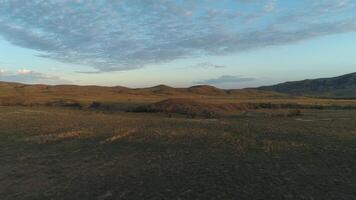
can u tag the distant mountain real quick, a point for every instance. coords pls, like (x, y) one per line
(336, 87)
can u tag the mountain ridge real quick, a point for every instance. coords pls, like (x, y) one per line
(339, 87)
(343, 86)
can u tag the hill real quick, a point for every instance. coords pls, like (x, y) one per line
(336, 87)
(24, 94)
(192, 107)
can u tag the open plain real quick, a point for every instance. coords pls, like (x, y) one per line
(260, 146)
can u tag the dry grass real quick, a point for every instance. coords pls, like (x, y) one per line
(278, 146)
(56, 137)
(118, 136)
(52, 153)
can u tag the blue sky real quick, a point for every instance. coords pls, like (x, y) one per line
(139, 43)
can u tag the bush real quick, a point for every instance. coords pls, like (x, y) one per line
(294, 113)
(95, 105)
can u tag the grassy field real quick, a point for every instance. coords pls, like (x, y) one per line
(58, 153)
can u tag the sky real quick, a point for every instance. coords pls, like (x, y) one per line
(142, 43)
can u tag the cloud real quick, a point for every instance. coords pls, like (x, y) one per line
(270, 6)
(24, 72)
(88, 72)
(226, 79)
(113, 35)
(28, 76)
(207, 65)
(204, 65)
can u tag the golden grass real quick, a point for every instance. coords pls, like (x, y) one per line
(118, 136)
(56, 137)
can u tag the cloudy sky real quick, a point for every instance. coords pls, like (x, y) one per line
(138, 43)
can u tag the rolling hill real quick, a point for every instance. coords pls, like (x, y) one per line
(24, 94)
(337, 87)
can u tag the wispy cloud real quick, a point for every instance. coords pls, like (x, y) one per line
(204, 65)
(207, 65)
(130, 34)
(28, 76)
(24, 72)
(270, 6)
(226, 79)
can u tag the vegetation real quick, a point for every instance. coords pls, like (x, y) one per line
(58, 153)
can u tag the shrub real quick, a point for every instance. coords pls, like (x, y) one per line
(95, 105)
(294, 113)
